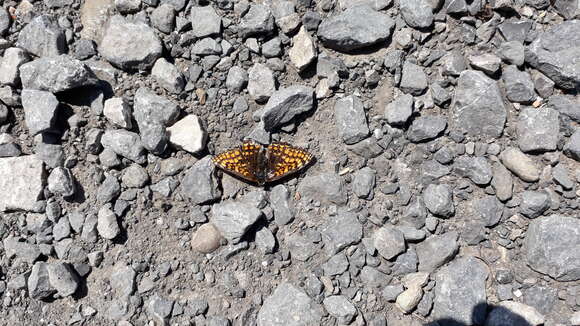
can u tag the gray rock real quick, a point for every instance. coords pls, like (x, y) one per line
(372, 277)
(38, 283)
(489, 63)
(389, 242)
(108, 190)
(163, 18)
(303, 51)
(561, 176)
(257, 21)
(542, 298)
(135, 176)
(367, 148)
(514, 313)
(4, 21)
(518, 85)
(490, 210)
(56, 74)
(61, 229)
(285, 16)
(3, 113)
(565, 105)
(207, 239)
(205, 21)
(543, 85)
(327, 188)
(534, 203)
(14, 247)
(234, 219)
(453, 63)
(340, 308)
(42, 37)
(355, 28)
(22, 182)
(261, 82)
(62, 278)
(413, 79)
(351, 120)
(460, 291)
(159, 309)
(61, 182)
(130, 45)
(479, 108)
(476, 169)
(289, 306)
(107, 224)
(118, 111)
(335, 265)
(10, 64)
(515, 30)
(417, 13)
(122, 280)
(301, 248)
(127, 6)
(340, 232)
(199, 182)
(89, 232)
(168, 76)
(437, 250)
(391, 292)
(439, 200)
(364, 182)
(399, 110)
(281, 204)
(536, 129)
(40, 109)
(272, 48)
(551, 247)
(124, 143)
(520, 164)
(512, 53)
(554, 53)
(188, 134)
(51, 154)
(426, 128)
(265, 240)
(285, 104)
(237, 79)
(572, 147)
(206, 46)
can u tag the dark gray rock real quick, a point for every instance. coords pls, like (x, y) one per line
(518, 85)
(572, 147)
(479, 108)
(61, 182)
(289, 306)
(351, 121)
(38, 282)
(372, 277)
(439, 200)
(340, 308)
(417, 13)
(257, 21)
(391, 292)
(515, 30)
(543, 298)
(285, 16)
(301, 248)
(200, 183)
(399, 110)
(124, 143)
(426, 128)
(367, 148)
(281, 204)
(4, 21)
(550, 247)
(340, 232)
(453, 63)
(565, 105)
(130, 45)
(460, 291)
(234, 219)
(355, 28)
(536, 128)
(534, 203)
(205, 21)
(476, 169)
(554, 53)
(56, 74)
(285, 104)
(326, 188)
(159, 309)
(40, 110)
(437, 250)
(109, 189)
(512, 53)
(405, 263)
(62, 278)
(413, 79)
(389, 241)
(490, 210)
(42, 37)
(489, 63)
(561, 176)
(363, 183)
(61, 229)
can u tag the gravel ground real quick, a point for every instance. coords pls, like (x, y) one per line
(444, 189)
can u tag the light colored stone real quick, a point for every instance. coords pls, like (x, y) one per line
(303, 50)
(188, 134)
(118, 111)
(206, 239)
(409, 299)
(21, 183)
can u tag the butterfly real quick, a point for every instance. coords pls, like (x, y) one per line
(258, 164)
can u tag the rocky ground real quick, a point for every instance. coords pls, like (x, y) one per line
(444, 192)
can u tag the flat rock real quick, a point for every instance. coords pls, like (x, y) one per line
(389, 242)
(351, 120)
(340, 232)
(9, 66)
(355, 28)
(413, 79)
(234, 219)
(40, 109)
(426, 128)
(399, 110)
(476, 169)
(519, 86)
(125, 143)
(289, 306)
(303, 50)
(199, 183)
(56, 74)
(327, 188)
(340, 308)
(572, 147)
(552, 247)
(257, 21)
(261, 82)
(14, 247)
(62, 278)
(42, 37)
(285, 104)
(205, 21)
(536, 128)
(22, 182)
(282, 205)
(437, 250)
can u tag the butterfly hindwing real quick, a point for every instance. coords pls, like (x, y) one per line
(285, 159)
(241, 161)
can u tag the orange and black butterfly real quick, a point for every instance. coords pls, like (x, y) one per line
(258, 164)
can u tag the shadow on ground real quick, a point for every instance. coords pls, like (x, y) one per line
(488, 315)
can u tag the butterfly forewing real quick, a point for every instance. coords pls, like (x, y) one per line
(285, 159)
(241, 161)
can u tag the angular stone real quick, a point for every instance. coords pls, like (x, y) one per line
(289, 306)
(130, 45)
(572, 147)
(518, 85)
(413, 79)
(534, 203)
(417, 13)
(40, 109)
(199, 182)
(439, 200)
(118, 111)
(61, 182)
(22, 182)
(327, 188)
(512, 53)
(520, 164)
(281, 204)
(389, 242)
(303, 50)
(399, 110)
(168, 76)
(122, 280)
(237, 79)
(285, 16)
(265, 240)
(364, 183)
(38, 283)
(62, 278)
(234, 219)
(565, 105)
(14, 247)
(124, 143)
(56, 74)
(42, 37)
(409, 299)
(340, 308)
(107, 224)
(205, 21)
(476, 169)
(479, 108)
(351, 120)
(10, 64)
(188, 134)
(489, 63)
(426, 128)
(257, 21)
(285, 104)
(355, 28)
(489, 209)
(261, 82)
(536, 129)
(340, 232)
(163, 18)
(437, 250)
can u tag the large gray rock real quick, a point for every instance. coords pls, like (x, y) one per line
(289, 306)
(417, 13)
(257, 21)
(572, 147)
(534, 203)
(341, 231)
(478, 107)
(285, 104)
(205, 21)
(40, 109)
(519, 86)
(476, 169)
(399, 110)
(389, 241)
(62, 278)
(556, 52)
(355, 28)
(437, 250)
(426, 128)
(38, 282)
(21, 183)
(130, 45)
(56, 74)
(42, 37)
(552, 247)
(10, 64)
(413, 79)
(351, 120)
(234, 219)
(565, 105)
(460, 291)
(200, 183)
(536, 129)
(489, 209)
(340, 308)
(124, 143)
(439, 200)
(327, 188)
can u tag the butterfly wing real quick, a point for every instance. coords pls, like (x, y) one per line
(241, 161)
(285, 159)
